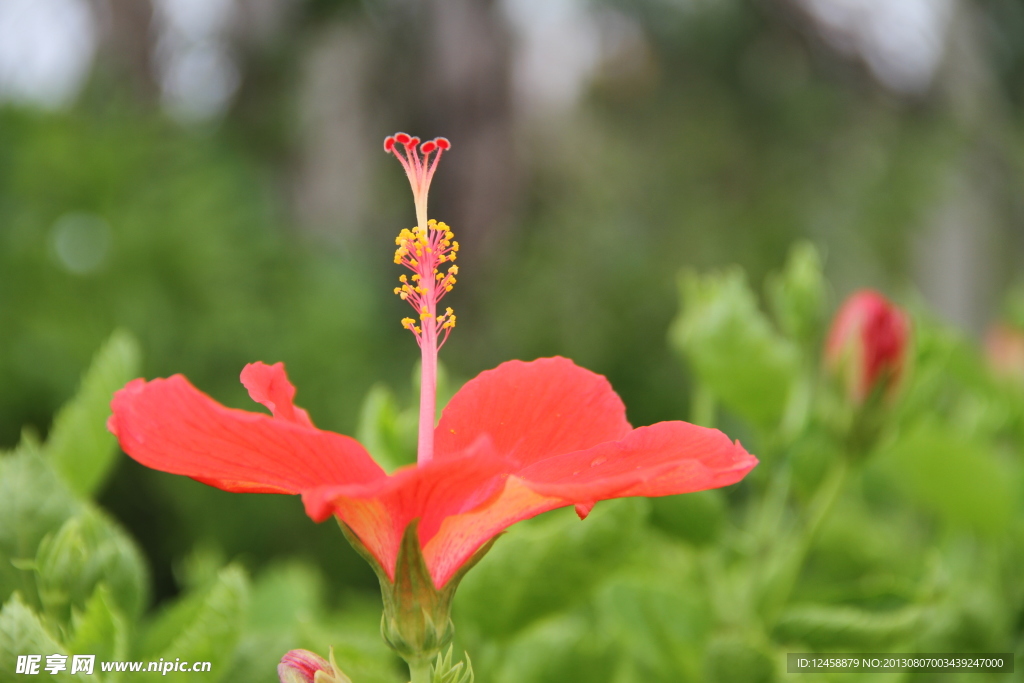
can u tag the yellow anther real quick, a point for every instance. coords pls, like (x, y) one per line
(454, 270)
(455, 246)
(448, 311)
(421, 290)
(403, 296)
(402, 278)
(413, 262)
(416, 277)
(438, 276)
(448, 288)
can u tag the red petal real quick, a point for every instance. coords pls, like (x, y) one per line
(531, 411)
(583, 509)
(269, 385)
(380, 511)
(462, 535)
(663, 459)
(169, 425)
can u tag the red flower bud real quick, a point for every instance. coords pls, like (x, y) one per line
(867, 345)
(303, 666)
(1004, 351)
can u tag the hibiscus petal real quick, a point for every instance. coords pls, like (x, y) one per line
(379, 512)
(459, 536)
(269, 385)
(583, 509)
(531, 411)
(663, 459)
(169, 425)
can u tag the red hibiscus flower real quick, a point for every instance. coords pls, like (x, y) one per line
(514, 442)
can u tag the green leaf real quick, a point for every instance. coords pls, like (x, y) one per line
(547, 566)
(256, 657)
(387, 432)
(697, 518)
(822, 626)
(99, 629)
(23, 633)
(33, 502)
(797, 294)
(284, 595)
(734, 659)
(87, 550)
(565, 648)
(79, 446)
(950, 474)
(204, 626)
(354, 633)
(732, 346)
(662, 628)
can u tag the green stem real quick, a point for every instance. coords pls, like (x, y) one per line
(824, 500)
(419, 671)
(794, 552)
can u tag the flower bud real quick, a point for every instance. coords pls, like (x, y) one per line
(303, 666)
(1004, 351)
(867, 345)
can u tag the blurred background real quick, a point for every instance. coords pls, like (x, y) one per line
(208, 175)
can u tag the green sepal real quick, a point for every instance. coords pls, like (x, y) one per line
(444, 670)
(417, 620)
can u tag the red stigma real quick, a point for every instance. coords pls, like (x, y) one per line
(419, 162)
